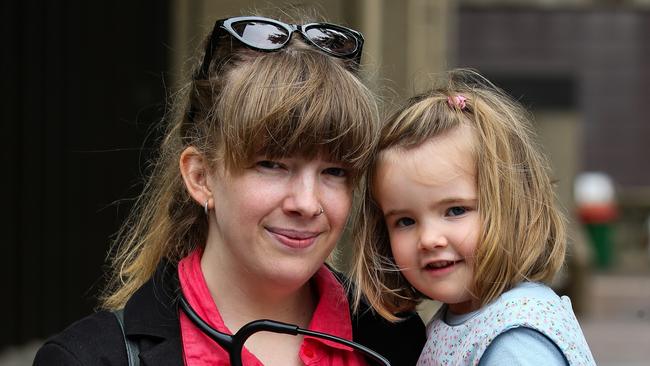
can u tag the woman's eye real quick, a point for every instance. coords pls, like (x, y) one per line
(337, 172)
(268, 164)
(456, 211)
(404, 221)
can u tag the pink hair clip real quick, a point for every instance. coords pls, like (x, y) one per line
(457, 101)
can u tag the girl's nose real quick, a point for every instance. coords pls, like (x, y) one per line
(432, 237)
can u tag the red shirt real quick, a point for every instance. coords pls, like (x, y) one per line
(332, 316)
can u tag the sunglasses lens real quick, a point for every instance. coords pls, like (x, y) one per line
(335, 41)
(261, 35)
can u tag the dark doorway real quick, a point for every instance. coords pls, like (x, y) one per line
(82, 90)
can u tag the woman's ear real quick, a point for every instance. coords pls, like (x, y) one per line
(196, 173)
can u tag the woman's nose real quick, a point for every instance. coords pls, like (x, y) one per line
(303, 197)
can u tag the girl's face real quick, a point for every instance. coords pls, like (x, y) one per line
(269, 226)
(429, 198)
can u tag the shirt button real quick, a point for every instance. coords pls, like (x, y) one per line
(309, 352)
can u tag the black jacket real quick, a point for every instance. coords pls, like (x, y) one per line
(151, 319)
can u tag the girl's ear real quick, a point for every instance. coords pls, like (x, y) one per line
(197, 177)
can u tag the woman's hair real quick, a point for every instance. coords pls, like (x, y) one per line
(295, 101)
(522, 230)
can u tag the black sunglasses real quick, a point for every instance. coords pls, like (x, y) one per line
(234, 344)
(264, 34)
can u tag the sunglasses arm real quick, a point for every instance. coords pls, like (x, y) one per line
(213, 41)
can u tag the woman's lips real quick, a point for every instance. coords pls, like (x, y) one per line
(294, 238)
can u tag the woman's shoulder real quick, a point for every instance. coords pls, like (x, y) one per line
(93, 340)
(401, 342)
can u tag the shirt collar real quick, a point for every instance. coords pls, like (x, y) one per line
(151, 313)
(332, 313)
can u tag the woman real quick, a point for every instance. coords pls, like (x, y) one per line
(250, 194)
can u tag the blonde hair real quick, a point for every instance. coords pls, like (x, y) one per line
(522, 230)
(296, 101)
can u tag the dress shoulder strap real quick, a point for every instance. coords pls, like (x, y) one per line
(132, 349)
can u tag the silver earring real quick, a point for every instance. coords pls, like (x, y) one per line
(321, 211)
(205, 207)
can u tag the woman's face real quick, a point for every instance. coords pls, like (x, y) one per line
(268, 224)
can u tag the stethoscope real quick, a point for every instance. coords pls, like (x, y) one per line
(234, 344)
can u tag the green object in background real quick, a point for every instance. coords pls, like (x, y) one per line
(600, 235)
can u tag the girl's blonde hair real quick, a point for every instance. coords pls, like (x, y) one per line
(296, 101)
(522, 230)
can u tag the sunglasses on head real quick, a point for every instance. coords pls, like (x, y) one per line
(264, 34)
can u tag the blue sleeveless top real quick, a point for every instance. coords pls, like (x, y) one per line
(530, 305)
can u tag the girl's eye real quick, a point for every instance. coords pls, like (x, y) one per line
(337, 172)
(404, 221)
(456, 211)
(268, 164)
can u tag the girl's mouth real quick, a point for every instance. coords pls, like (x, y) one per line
(441, 267)
(440, 264)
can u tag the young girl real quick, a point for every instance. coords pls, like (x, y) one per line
(460, 209)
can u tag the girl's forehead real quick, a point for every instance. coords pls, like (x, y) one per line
(454, 146)
(445, 163)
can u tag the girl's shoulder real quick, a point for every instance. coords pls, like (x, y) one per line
(522, 343)
(528, 305)
(524, 294)
(532, 290)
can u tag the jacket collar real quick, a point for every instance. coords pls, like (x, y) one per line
(151, 318)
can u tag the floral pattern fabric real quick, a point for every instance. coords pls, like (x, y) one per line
(464, 344)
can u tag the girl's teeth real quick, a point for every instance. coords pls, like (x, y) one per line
(440, 264)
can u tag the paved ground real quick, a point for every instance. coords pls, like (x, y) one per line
(617, 321)
(19, 356)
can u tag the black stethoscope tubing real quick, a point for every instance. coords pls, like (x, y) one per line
(235, 343)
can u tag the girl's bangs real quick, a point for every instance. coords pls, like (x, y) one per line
(425, 118)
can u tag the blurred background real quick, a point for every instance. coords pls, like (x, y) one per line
(85, 85)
